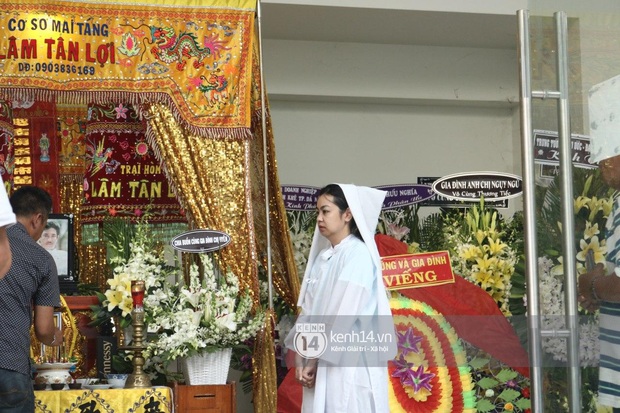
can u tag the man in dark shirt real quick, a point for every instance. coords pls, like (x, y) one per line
(30, 284)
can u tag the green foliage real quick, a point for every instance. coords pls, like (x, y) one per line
(118, 233)
(487, 383)
(524, 404)
(485, 405)
(121, 364)
(509, 395)
(241, 360)
(498, 388)
(506, 374)
(431, 236)
(518, 291)
(88, 289)
(478, 363)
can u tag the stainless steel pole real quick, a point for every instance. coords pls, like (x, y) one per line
(265, 154)
(571, 333)
(529, 213)
(568, 215)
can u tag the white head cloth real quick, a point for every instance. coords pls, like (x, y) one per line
(365, 204)
(604, 110)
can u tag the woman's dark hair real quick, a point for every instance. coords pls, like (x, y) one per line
(338, 198)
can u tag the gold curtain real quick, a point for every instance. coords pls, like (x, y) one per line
(210, 180)
(91, 258)
(283, 268)
(220, 182)
(284, 271)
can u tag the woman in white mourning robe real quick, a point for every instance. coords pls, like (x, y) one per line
(344, 290)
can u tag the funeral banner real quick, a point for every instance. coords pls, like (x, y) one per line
(196, 59)
(6, 144)
(34, 154)
(123, 178)
(417, 270)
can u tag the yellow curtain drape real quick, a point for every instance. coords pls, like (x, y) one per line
(210, 179)
(264, 173)
(221, 184)
(284, 270)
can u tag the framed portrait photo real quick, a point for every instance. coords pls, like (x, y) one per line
(57, 239)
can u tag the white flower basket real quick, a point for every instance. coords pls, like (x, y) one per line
(207, 368)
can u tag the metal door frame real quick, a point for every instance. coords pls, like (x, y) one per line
(535, 331)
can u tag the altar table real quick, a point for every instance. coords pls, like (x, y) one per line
(143, 400)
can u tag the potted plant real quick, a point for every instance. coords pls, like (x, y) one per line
(201, 322)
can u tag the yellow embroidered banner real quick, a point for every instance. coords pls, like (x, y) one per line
(195, 58)
(143, 400)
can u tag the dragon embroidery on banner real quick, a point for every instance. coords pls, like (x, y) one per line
(170, 47)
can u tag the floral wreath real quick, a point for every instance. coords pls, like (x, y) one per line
(430, 372)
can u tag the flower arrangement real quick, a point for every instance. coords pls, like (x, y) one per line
(301, 229)
(553, 318)
(430, 373)
(480, 255)
(401, 223)
(243, 353)
(136, 256)
(591, 209)
(498, 387)
(208, 313)
(592, 205)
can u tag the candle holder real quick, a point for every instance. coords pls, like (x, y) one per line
(138, 378)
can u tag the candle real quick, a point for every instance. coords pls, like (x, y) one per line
(137, 293)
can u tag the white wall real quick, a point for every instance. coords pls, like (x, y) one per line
(387, 114)
(404, 73)
(319, 142)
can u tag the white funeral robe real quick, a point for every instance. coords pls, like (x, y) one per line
(343, 282)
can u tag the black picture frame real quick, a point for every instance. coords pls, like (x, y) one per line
(62, 249)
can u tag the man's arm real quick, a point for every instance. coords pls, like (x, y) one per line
(44, 327)
(596, 286)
